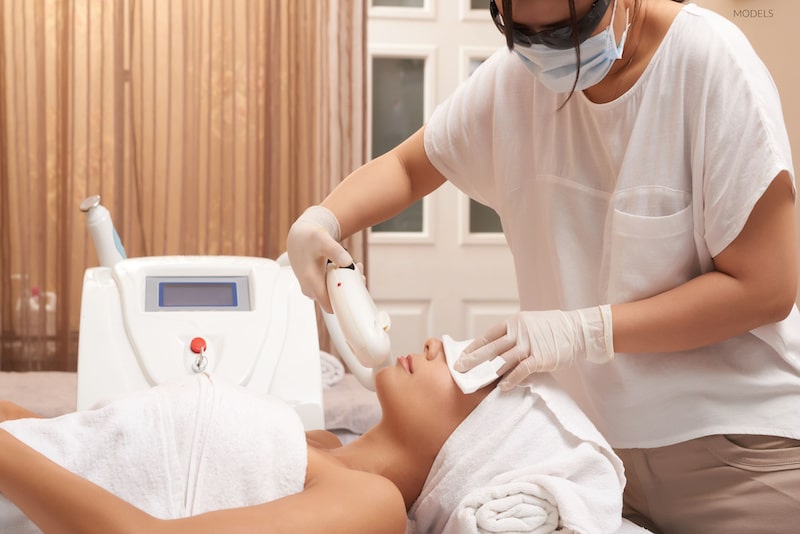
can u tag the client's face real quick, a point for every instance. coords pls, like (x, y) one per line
(419, 395)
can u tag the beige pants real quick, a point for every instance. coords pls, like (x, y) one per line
(732, 484)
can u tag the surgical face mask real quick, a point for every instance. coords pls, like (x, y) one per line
(556, 69)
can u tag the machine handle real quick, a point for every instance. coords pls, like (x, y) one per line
(106, 240)
(358, 329)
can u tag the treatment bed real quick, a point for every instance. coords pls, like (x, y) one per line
(349, 407)
(314, 382)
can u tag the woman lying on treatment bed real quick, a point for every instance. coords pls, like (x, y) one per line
(201, 456)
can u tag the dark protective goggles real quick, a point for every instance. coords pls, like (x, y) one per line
(559, 37)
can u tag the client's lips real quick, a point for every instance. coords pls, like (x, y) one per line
(405, 361)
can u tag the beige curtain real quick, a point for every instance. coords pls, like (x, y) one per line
(206, 126)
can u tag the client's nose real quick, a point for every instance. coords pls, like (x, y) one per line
(433, 349)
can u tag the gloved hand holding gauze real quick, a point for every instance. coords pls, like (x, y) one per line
(481, 375)
(312, 240)
(541, 341)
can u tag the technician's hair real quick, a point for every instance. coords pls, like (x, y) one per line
(508, 31)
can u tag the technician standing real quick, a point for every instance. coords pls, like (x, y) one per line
(636, 153)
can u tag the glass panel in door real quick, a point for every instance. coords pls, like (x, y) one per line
(398, 3)
(482, 219)
(397, 112)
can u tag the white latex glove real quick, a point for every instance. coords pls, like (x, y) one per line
(312, 240)
(540, 341)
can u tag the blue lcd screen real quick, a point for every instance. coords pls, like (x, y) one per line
(197, 294)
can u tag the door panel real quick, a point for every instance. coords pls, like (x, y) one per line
(443, 267)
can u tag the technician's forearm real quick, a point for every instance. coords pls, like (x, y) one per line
(755, 283)
(384, 187)
(706, 310)
(59, 501)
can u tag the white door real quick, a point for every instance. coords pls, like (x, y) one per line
(441, 267)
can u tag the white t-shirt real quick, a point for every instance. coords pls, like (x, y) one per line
(615, 202)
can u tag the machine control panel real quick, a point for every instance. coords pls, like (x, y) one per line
(198, 293)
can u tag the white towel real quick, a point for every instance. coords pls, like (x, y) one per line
(524, 461)
(515, 506)
(176, 450)
(332, 369)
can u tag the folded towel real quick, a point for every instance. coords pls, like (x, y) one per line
(176, 450)
(527, 460)
(518, 506)
(350, 406)
(332, 369)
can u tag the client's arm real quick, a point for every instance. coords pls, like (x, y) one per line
(335, 499)
(59, 501)
(10, 410)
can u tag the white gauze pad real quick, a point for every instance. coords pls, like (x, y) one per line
(475, 378)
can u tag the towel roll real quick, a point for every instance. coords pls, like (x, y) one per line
(517, 506)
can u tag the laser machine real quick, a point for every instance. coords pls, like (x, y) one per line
(146, 321)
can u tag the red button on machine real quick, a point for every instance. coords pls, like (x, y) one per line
(198, 345)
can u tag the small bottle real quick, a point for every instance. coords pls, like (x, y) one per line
(28, 309)
(106, 240)
(36, 301)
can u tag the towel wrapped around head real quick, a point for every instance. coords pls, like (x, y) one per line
(175, 450)
(527, 460)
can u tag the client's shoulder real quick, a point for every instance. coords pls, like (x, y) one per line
(322, 439)
(365, 502)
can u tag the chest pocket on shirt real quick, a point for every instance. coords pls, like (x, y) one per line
(650, 243)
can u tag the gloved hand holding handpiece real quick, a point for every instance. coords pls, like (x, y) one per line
(312, 240)
(540, 341)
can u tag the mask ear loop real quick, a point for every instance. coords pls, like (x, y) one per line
(619, 47)
(573, 17)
